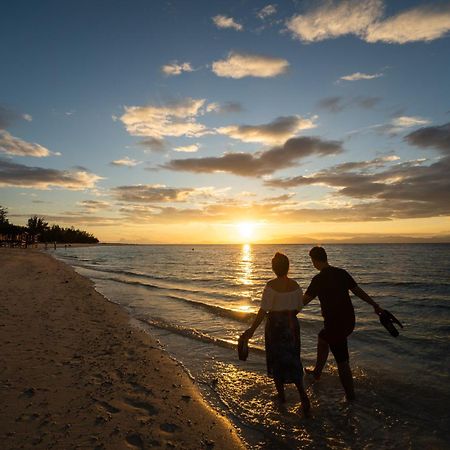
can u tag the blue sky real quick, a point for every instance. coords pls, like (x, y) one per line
(101, 101)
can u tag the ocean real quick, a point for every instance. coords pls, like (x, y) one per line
(197, 300)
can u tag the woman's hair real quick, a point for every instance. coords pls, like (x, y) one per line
(280, 264)
(319, 254)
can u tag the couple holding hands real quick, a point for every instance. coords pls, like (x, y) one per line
(283, 298)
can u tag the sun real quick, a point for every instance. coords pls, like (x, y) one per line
(246, 230)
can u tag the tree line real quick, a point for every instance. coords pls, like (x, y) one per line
(38, 230)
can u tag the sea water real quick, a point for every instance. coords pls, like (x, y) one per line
(197, 300)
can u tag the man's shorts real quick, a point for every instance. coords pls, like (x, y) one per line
(338, 345)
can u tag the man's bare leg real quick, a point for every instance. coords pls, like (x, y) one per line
(322, 356)
(346, 377)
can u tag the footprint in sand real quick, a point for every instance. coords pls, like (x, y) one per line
(134, 440)
(169, 427)
(139, 388)
(108, 407)
(143, 406)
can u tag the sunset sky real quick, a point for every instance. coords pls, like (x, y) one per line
(220, 121)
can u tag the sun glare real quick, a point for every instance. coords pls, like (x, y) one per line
(246, 230)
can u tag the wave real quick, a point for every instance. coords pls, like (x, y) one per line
(165, 284)
(240, 316)
(192, 333)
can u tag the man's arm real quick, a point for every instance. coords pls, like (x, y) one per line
(366, 297)
(307, 298)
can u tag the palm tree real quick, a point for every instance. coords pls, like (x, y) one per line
(36, 226)
(3, 215)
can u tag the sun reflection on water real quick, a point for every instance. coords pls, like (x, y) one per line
(246, 265)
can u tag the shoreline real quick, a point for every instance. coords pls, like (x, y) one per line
(76, 373)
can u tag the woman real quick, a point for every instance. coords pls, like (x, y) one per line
(281, 302)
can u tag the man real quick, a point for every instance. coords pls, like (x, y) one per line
(332, 286)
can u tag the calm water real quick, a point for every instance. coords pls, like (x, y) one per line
(197, 301)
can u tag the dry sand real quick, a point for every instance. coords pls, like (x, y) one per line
(74, 374)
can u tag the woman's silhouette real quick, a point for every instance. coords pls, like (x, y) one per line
(281, 302)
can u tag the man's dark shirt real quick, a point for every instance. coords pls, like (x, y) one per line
(331, 285)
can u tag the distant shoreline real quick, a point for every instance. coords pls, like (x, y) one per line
(312, 243)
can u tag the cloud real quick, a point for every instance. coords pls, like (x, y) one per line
(280, 198)
(400, 123)
(367, 102)
(94, 205)
(11, 145)
(8, 117)
(408, 121)
(19, 175)
(226, 22)
(332, 104)
(159, 193)
(402, 190)
(227, 107)
(279, 130)
(125, 161)
(424, 23)
(84, 219)
(173, 119)
(361, 76)
(153, 144)
(332, 19)
(266, 11)
(147, 193)
(240, 65)
(380, 189)
(336, 176)
(437, 137)
(174, 68)
(259, 163)
(337, 103)
(364, 18)
(188, 148)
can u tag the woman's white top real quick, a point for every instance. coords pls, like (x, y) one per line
(273, 300)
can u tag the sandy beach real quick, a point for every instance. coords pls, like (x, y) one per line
(75, 374)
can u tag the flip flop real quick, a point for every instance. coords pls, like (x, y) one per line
(388, 320)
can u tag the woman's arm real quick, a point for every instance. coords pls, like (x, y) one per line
(258, 319)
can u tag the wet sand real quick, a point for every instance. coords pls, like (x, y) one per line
(75, 374)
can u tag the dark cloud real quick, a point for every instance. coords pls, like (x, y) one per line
(154, 144)
(20, 175)
(274, 132)
(7, 117)
(80, 220)
(437, 137)
(12, 145)
(280, 198)
(403, 190)
(93, 205)
(333, 104)
(337, 104)
(367, 102)
(145, 193)
(228, 107)
(260, 163)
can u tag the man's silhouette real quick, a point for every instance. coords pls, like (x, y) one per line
(332, 286)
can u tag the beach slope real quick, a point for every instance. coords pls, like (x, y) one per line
(75, 374)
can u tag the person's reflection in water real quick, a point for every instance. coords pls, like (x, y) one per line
(281, 302)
